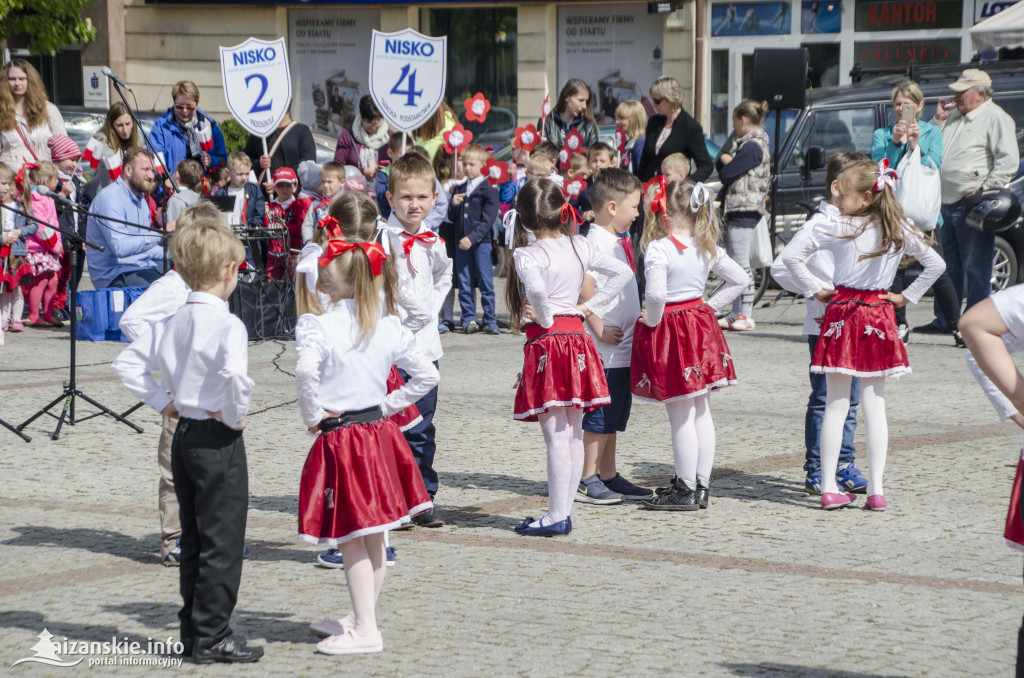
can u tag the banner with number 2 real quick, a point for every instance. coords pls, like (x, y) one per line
(407, 76)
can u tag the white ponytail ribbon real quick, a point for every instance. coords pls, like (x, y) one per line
(308, 264)
(385, 236)
(886, 176)
(700, 196)
(509, 223)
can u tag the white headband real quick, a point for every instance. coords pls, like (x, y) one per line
(309, 265)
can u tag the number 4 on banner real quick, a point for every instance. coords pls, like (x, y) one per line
(411, 93)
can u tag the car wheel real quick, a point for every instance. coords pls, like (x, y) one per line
(1004, 266)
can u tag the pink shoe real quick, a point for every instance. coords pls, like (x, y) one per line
(17, 326)
(876, 502)
(834, 500)
(350, 644)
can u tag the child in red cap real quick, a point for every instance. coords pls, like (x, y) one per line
(285, 210)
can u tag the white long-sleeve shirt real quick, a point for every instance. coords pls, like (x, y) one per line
(336, 372)
(429, 283)
(625, 308)
(1009, 304)
(820, 264)
(160, 301)
(840, 236)
(551, 271)
(675, 275)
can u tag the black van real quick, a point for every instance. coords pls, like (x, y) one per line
(844, 118)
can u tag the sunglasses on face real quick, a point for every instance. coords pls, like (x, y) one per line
(657, 101)
(184, 107)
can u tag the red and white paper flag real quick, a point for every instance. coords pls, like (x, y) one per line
(206, 136)
(112, 163)
(159, 166)
(93, 152)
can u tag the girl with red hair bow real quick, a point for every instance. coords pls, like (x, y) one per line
(360, 479)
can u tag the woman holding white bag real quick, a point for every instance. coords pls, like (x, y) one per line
(900, 143)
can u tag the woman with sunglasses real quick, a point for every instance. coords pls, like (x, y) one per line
(177, 132)
(673, 130)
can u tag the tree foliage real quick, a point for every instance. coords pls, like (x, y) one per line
(46, 25)
(235, 136)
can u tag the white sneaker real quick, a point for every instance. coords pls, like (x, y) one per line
(742, 323)
(349, 643)
(725, 322)
(331, 627)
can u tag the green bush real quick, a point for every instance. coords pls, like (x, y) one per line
(235, 135)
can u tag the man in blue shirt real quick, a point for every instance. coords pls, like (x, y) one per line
(133, 256)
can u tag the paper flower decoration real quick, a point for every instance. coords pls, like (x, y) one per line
(574, 141)
(526, 138)
(620, 139)
(573, 188)
(457, 139)
(496, 171)
(477, 108)
(564, 156)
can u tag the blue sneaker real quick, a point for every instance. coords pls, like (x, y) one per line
(812, 483)
(851, 480)
(331, 559)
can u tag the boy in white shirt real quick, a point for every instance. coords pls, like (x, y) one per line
(423, 263)
(822, 265)
(203, 356)
(616, 199)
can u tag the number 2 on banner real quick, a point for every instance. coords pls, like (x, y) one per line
(411, 93)
(258, 107)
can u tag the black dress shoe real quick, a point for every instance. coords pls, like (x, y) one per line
(428, 519)
(664, 488)
(231, 650)
(678, 498)
(702, 495)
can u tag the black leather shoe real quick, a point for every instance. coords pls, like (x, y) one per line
(664, 488)
(428, 519)
(678, 498)
(702, 495)
(231, 650)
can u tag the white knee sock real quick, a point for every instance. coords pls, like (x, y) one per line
(705, 439)
(685, 442)
(876, 429)
(837, 406)
(554, 424)
(362, 585)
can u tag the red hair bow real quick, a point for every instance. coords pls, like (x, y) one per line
(19, 178)
(659, 203)
(569, 214)
(332, 226)
(373, 251)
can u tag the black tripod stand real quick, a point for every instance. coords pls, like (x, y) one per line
(71, 390)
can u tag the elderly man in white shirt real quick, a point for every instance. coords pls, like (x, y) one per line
(979, 153)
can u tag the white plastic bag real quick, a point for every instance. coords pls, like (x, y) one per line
(761, 255)
(918, 190)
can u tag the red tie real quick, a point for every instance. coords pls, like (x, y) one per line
(426, 237)
(627, 247)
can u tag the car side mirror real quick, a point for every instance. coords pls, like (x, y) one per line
(815, 158)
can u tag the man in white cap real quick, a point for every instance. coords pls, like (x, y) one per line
(979, 153)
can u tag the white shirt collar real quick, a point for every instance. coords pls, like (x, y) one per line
(473, 184)
(828, 209)
(206, 298)
(398, 229)
(978, 111)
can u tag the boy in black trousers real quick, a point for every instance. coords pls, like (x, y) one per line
(473, 211)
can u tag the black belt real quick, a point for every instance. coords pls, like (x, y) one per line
(347, 419)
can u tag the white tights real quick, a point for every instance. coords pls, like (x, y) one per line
(693, 439)
(365, 562)
(563, 434)
(837, 405)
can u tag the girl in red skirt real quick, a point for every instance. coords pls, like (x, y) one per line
(562, 372)
(360, 478)
(858, 332)
(679, 352)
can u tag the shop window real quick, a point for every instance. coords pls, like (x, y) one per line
(836, 131)
(482, 57)
(822, 64)
(61, 74)
(720, 116)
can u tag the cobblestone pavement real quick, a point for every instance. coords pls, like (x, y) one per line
(761, 584)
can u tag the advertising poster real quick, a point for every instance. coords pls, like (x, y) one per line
(750, 18)
(821, 17)
(328, 51)
(615, 49)
(897, 15)
(983, 9)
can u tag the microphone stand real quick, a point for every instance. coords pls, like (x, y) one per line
(149, 146)
(71, 390)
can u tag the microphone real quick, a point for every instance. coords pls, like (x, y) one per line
(110, 74)
(43, 190)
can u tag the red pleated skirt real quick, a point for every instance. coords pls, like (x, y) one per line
(359, 480)
(859, 337)
(1013, 534)
(408, 417)
(683, 357)
(561, 368)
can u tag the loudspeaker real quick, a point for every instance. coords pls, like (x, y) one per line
(780, 77)
(266, 308)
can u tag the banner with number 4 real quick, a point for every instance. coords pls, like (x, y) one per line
(407, 76)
